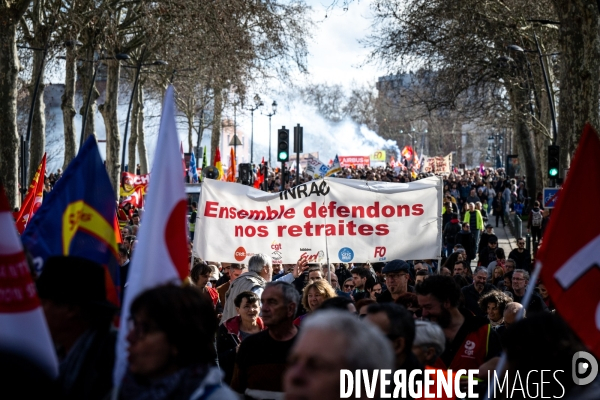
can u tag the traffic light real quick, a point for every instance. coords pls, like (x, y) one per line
(553, 161)
(283, 144)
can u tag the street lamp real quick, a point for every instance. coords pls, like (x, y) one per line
(273, 112)
(257, 104)
(235, 140)
(138, 69)
(519, 49)
(25, 139)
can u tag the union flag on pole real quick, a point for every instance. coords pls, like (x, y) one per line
(407, 152)
(33, 199)
(570, 252)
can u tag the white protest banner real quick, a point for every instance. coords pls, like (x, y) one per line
(348, 219)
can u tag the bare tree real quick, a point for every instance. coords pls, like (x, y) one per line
(11, 12)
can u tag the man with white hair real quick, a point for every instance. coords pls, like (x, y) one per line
(429, 343)
(329, 341)
(260, 271)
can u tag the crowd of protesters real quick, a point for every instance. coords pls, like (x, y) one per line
(259, 330)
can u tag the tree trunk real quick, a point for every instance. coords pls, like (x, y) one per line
(135, 127)
(86, 71)
(190, 122)
(200, 133)
(142, 151)
(37, 143)
(68, 108)
(524, 140)
(111, 122)
(216, 126)
(579, 72)
(9, 73)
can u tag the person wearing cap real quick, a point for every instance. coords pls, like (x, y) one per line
(397, 274)
(73, 295)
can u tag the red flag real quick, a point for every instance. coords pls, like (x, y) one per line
(231, 170)
(570, 253)
(162, 253)
(33, 199)
(407, 152)
(219, 164)
(23, 326)
(260, 178)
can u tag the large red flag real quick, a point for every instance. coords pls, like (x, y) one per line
(23, 327)
(570, 252)
(162, 253)
(33, 199)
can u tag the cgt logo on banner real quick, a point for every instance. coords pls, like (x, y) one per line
(348, 218)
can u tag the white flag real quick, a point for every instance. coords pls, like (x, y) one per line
(23, 327)
(161, 255)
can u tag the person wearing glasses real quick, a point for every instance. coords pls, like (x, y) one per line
(520, 280)
(397, 274)
(521, 256)
(171, 347)
(348, 286)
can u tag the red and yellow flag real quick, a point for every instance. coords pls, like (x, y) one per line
(33, 199)
(219, 165)
(232, 166)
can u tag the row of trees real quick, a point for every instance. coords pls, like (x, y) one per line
(214, 52)
(476, 76)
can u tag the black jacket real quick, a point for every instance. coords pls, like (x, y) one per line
(472, 297)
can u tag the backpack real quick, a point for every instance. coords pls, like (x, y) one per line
(536, 218)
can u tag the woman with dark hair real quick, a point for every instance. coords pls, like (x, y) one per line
(234, 330)
(493, 304)
(171, 347)
(199, 276)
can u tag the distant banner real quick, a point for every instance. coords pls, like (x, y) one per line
(357, 161)
(131, 183)
(315, 168)
(349, 220)
(378, 156)
(439, 165)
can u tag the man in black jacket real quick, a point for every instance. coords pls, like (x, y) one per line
(478, 288)
(467, 240)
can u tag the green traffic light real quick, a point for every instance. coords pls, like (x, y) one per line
(283, 155)
(553, 172)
